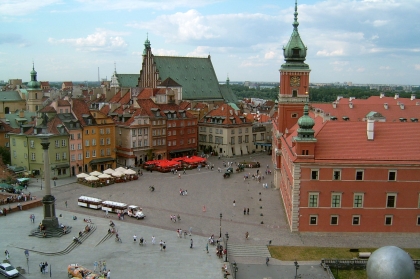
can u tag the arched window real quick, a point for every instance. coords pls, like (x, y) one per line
(6, 110)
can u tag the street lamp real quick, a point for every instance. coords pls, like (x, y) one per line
(297, 267)
(227, 238)
(235, 269)
(220, 226)
(27, 258)
(336, 265)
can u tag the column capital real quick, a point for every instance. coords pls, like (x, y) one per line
(45, 145)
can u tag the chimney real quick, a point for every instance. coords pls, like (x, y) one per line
(98, 96)
(370, 128)
(413, 97)
(401, 105)
(334, 105)
(386, 105)
(382, 95)
(396, 96)
(350, 105)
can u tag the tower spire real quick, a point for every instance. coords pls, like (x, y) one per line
(295, 23)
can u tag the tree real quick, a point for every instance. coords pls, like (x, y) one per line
(5, 155)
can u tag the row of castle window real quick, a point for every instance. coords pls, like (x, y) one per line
(358, 199)
(359, 175)
(355, 220)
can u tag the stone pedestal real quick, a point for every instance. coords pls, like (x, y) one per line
(50, 221)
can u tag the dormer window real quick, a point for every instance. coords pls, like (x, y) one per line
(295, 53)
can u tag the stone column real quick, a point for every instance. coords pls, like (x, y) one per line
(50, 220)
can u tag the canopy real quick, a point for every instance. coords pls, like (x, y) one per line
(82, 175)
(95, 173)
(104, 175)
(20, 187)
(117, 174)
(23, 179)
(91, 178)
(120, 169)
(5, 186)
(129, 171)
(108, 171)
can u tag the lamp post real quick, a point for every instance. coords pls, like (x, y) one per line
(220, 226)
(336, 266)
(227, 238)
(297, 267)
(235, 269)
(27, 258)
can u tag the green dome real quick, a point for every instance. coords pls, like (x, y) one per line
(33, 84)
(306, 122)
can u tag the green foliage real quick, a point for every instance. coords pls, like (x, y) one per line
(5, 155)
(324, 94)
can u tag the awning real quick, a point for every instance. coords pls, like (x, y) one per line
(182, 150)
(263, 144)
(62, 166)
(23, 179)
(101, 160)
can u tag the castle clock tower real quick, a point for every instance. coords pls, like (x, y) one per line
(294, 80)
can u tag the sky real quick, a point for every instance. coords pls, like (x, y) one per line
(358, 41)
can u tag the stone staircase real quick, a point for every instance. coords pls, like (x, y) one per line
(243, 250)
(50, 232)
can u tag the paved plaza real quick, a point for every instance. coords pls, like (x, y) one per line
(206, 188)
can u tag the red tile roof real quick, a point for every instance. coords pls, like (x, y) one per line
(227, 112)
(47, 109)
(347, 142)
(63, 103)
(79, 108)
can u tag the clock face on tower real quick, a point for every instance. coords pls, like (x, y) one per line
(294, 81)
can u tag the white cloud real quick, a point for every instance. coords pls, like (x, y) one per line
(384, 68)
(340, 63)
(130, 5)
(360, 69)
(337, 52)
(417, 67)
(270, 55)
(164, 52)
(100, 41)
(379, 23)
(23, 7)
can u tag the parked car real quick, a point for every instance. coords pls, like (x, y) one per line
(8, 270)
(136, 212)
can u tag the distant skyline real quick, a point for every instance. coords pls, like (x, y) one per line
(359, 41)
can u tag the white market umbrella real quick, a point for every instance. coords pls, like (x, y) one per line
(82, 175)
(120, 169)
(108, 171)
(117, 174)
(129, 171)
(91, 178)
(95, 173)
(104, 175)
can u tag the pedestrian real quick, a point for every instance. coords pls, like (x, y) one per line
(119, 216)
(40, 266)
(108, 275)
(95, 266)
(246, 235)
(234, 203)
(104, 266)
(184, 172)
(134, 238)
(267, 260)
(7, 254)
(207, 247)
(106, 213)
(244, 211)
(153, 240)
(247, 211)
(55, 184)
(180, 233)
(66, 203)
(190, 231)
(204, 208)
(161, 245)
(191, 243)
(164, 246)
(46, 267)
(179, 175)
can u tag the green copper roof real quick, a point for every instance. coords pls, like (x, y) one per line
(128, 80)
(146, 45)
(306, 123)
(33, 84)
(295, 51)
(228, 94)
(10, 96)
(14, 117)
(195, 75)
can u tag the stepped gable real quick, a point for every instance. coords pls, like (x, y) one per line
(196, 76)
